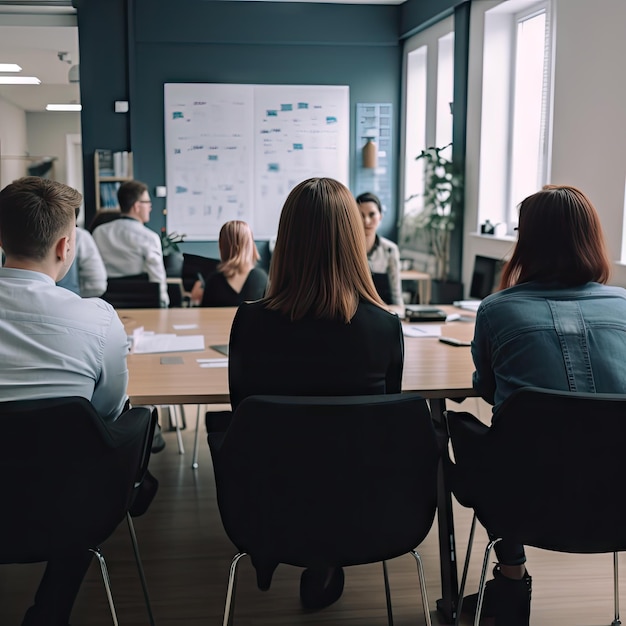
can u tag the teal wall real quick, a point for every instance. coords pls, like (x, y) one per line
(130, 48)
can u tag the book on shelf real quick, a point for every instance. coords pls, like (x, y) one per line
(108, 196)
(105, 162)
(116, 164)
(120, 164)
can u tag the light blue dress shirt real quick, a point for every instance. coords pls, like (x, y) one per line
(561, 338)
(54, 344)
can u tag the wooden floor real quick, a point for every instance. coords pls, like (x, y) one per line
(186, 556)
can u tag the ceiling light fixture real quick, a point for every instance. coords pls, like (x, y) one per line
(10, 67)
(19, 80)
(63, 107)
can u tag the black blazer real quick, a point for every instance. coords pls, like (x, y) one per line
(270, 354)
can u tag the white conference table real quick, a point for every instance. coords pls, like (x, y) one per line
(436, 370)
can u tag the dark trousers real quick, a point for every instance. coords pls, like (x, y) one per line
(508, 552)
(474, 467)
(58, 589)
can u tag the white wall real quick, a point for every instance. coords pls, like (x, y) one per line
(589, 127)
(46, 133)
(12, 142)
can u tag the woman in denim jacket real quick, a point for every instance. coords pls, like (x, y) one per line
(554, 324)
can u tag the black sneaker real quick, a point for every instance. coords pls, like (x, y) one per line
(506, 599)
(315, 592)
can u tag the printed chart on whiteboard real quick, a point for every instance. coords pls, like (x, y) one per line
(235, 151)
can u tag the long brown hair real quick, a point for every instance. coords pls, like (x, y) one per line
(237, 247)
(559, 240)
(319, 265)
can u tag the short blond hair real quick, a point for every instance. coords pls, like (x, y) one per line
(319, 265)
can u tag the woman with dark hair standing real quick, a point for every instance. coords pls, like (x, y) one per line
(321, 329)
(554, 324)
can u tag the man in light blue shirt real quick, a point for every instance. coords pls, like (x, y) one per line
(54, 343)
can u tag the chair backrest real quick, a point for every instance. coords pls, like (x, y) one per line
(327, 480)
(66, 478)
(194, 264)
(103, 216)
(132, 292)
(383, 285)
(553, 467)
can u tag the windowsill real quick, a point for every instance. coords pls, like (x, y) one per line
(504, 238)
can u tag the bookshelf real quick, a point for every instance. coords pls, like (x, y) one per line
(110, 170)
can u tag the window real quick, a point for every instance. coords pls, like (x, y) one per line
(429, 83)
(516, 105)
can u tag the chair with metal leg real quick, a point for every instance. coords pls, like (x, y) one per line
(545, 474)
(68, 479)
(359, 475)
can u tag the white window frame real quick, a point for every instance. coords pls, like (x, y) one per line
(420, 110)
(495, 194)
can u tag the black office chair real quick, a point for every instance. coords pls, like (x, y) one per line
(132, 292)
(67, 479)
(194, 265)
(383, 286)
(546, 474)
(103, 216)
(326, 481)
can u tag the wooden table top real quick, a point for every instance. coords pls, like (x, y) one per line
(434, 369)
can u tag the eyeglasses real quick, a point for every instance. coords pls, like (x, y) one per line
(145, 201)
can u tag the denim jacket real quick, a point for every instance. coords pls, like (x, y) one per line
(561, 338)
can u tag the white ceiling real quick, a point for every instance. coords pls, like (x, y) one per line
(33, 37)
(33, 33)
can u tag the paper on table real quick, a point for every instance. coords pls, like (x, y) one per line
(421, 330)
(470, 305)
(149, 343)
(219, 362)
(185, 326)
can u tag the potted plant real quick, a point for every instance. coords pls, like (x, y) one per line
(172, 254)
(432, 223)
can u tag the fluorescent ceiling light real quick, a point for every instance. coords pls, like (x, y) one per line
(63, 107)
(10, 67)
(19, 80)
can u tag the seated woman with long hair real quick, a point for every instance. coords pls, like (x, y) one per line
(321, 329)
(554, 324)
(237, 278)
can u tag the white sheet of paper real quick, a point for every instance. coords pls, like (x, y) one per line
(469, 305)
(421, 330)
(185, 326)
(213, 362)
(152, 343)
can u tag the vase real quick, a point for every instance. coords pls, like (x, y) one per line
(173, 263)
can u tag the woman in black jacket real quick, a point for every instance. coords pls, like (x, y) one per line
(321, 329)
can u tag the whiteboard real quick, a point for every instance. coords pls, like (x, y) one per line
(236, 151)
